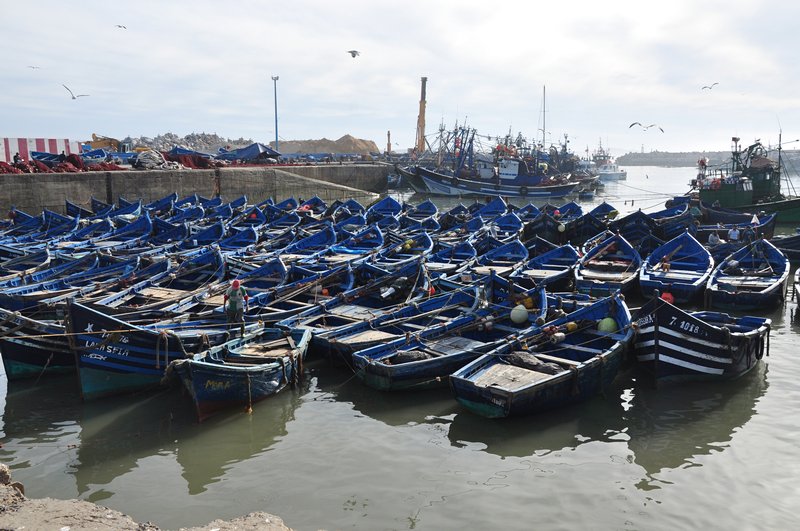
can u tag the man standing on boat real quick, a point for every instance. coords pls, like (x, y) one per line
(235, 300)
(733, 234)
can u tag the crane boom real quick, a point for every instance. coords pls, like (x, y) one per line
(420, 143)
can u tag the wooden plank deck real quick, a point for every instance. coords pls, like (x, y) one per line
(509, 377)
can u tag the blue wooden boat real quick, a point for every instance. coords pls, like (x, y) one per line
(32, 347)
(493, 208)
(547, 227)
(765, 228)
(401, 250)
(425, 358)
(305, 287)
(502, 259)
(553, 269)
(506, 227)
(726, 216)
(30, 296)
(243, 371)
(512, 184)
(789, 246)
(75, 210)
(673, 345)
(582, 229)
(303, 245)
(386, 207)
(338, 334)
(449, 260)
(239, 240)
(528, 212)
(604, 212)
(36, 344)
(162, 205)
(375, 291)
(189, 213)
(610, 266)
(366, 241)
(571, 359)
(117, 357)
(681, 266)
(204, 236)
(756, 277)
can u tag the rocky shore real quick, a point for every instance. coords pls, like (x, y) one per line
(18, 512)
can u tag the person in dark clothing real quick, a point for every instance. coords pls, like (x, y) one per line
(62, 157)
(17, 158)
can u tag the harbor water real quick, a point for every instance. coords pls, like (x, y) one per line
(334, 454)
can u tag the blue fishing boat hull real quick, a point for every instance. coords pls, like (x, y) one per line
(534, 372)
(220, 379)
(447, 185)
(756, 277)
(115, 357)
(681, 267)
(674, 346)
(31, 349)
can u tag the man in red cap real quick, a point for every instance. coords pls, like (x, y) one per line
(235, 299)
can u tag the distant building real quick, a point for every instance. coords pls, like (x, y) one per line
(24, 146)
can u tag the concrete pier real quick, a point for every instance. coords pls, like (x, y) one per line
(34, 192)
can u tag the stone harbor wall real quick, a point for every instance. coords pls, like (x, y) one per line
(32, 193)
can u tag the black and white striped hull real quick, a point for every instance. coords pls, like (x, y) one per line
(672, 345)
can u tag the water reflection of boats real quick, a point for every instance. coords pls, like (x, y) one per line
(394, 409)
(37, 412)
(118, 433)
(39, 428)
(599, 419)
(668, 429)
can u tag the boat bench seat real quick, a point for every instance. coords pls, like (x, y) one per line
(542, 273)
(678, 264)
(556, 359)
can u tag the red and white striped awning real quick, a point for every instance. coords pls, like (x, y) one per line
(24, 146)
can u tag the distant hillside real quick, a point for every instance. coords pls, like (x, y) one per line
(663, 158)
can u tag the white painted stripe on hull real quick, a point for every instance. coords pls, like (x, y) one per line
(680, 363)
(683, 350)
(668, 331)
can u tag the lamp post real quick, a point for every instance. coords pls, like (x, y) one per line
(275, 92)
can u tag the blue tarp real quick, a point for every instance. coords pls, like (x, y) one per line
(177, 150)
(252, 152)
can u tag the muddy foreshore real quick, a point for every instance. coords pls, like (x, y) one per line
(18, 512)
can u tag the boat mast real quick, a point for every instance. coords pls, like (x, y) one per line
(544, 113)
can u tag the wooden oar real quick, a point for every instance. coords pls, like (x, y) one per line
(667, 258)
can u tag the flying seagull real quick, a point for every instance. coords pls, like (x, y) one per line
(120, 26)
(646, 127)
(34, 67)
(354, 53)
(74, 96)
(709, 87)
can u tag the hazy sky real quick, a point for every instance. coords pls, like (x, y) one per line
(206, 66)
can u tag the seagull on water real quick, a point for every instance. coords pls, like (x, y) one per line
(120, 26)
(646, 127)
(709, 87)
(354, 53)
(74, 96)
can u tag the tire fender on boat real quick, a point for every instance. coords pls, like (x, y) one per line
(523, 191)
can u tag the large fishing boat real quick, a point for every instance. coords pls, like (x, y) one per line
(515, 169)
(750, 182)
(606, 167)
